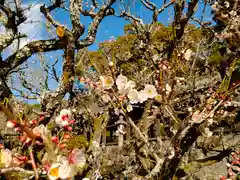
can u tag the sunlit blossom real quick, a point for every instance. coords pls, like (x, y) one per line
(11, 124)
(67, 166)
(121, 81)
(53, 172)
(133, 96)
(127, 87)
(197, 117)
(130, 85)
(150, 90)
(106, 98)
(168, 87)
(6, 157)
(110, 64)
(158, 98)
(124, 86)
(60, 122)
(207, 132)
(107, 82)
(188, 54)
(65, 112)
(143, 96)
(129, 108)
(41, 130)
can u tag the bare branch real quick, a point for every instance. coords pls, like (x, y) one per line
(15, 169)
(47, 14)
(88, 13)
(203, 24)
(184, 19)
(7, 39)
(57, 4)
(78, 28)
(28, 50)
(106, 10)
(94, 3)
(149, 5)
(131, 17)
(160, 10)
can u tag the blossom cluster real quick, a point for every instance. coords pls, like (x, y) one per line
(66, 166)
(127, 88)
(64, 119)
(62, 163)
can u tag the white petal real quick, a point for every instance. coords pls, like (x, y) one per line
(106, 98)
(121, 81)
(133, 96)
(53, 176)
(6, 157)
(130, 84)
(58, 120)
(142, 96)
(65, 112)
(65, 171)
(129, 108)
(80, 157)
(150, 90)
(107, 82)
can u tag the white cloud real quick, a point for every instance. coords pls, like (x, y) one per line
(32, 27)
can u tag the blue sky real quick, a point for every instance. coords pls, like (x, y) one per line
(113, 26)
(109, 27)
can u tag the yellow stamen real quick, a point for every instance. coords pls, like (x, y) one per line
(54, 172)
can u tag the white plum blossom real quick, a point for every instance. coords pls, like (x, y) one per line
(106, 98)
(150, 90)
(227, 4)
(207, 132)
(107, 82)
(110, 64)
(53, 173)
(233, 13)
(168, 89)
(129, 108)
(188, 54)
(65, 112)
(121, 81)
(130, 85)
(66, 167)
(158, 98)
(127, 87)
(63, 119)
(10, 124)
(60, 122)
(143, 96)
(133, 96)
(6, 157)
(41, 131)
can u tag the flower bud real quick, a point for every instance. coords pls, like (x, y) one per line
(11, 124)
(55, 139)
(72, 121)
(62, 146)
(110, 64)
(70, 128)
(66, 136)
